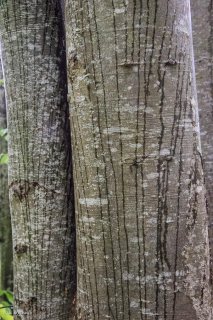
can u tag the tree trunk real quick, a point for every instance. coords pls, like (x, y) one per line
(202, 18)
(40, 185)
(142, 243)
(6, 269)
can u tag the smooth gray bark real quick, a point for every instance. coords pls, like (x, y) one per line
(142, 238)
(202, 19)
(6, 269)
(40, 184)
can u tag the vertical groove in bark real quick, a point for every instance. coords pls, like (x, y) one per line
(6, 269)
(40, 184)
(202, 18)
(142, 242)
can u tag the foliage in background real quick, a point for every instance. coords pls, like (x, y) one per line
(6, 304)
(3, 156)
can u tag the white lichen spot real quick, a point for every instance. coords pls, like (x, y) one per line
(135, 69)
(182, 26)
(108, 280)
(135, 240)
(93, 201)
(88, 219)
(80, 99)
(115, 130)
(149, 110)
(180, 273)
(199, 189)
(156, 85)
(99, 91)
(151, 176)
(193, 102)
(148, 312)
(169, 220)
(128, 136)
(98, 164)
(165, 152)
(127, 276)
(99, 178)
(135, 145)
(119, 10)
(94, 237)
(134, 304)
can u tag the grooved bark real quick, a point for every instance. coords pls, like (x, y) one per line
(142, 240)
(202, 18)
(40, 184)
(6, 269)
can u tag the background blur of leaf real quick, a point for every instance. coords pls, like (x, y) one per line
(3, 156)
(6, 303)
(3, 133)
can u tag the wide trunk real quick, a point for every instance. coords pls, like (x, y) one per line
(6, 269)
(40, 185)
(202, 19)
(142, 239)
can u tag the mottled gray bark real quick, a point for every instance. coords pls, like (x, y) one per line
(202, 19)
(6, 269)
(142, 243)
(40, 186)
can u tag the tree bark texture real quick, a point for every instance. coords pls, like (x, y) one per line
(202, 19)
(6, 269)
(40, 185)
(142, 239)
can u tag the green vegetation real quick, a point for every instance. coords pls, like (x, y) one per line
(3, 133)
(6, 304)
(3, 156)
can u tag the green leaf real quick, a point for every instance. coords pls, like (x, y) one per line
(2, 292)
(9, 296)
(5, 304)
(5, 313)
(4, 158)
(3, 132)
(1, 82)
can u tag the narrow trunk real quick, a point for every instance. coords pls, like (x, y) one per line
(6, 269)
(202, 19)
(142, 243)
(40, 186)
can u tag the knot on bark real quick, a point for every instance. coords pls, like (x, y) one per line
(73, 60)
(74, 65)
(20, 248)
(25, 305)
(171, 62)
(21, 188)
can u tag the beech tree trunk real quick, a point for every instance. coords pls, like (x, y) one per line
(142, 238)
(40, 185)
(6, 269)
(202, 18)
